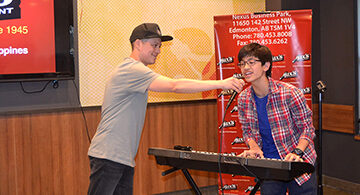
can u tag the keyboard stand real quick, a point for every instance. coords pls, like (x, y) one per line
(196, 188)
(188, 178)
(256, 187)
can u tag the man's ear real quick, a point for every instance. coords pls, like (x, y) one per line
(266, 66)
(137, 44)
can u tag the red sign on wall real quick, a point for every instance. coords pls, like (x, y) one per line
(288, 35)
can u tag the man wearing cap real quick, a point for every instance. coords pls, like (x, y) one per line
(113, 148)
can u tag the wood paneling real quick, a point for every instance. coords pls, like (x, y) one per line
(339, 118)
(341, 185)
(190, 124)
(46, 152)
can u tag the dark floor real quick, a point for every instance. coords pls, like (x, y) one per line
(333, 191)
(212, 190)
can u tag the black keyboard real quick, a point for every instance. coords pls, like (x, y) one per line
(264, 169)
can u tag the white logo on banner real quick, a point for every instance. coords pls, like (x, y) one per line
(5, 3)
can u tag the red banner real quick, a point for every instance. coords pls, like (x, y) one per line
(288, 36)
(27, 37)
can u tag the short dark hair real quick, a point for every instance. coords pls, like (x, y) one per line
(259, 51)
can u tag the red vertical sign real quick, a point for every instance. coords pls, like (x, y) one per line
(288, 36)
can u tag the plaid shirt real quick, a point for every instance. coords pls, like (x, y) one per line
(289, 116)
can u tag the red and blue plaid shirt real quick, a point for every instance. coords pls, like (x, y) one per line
(289, 116)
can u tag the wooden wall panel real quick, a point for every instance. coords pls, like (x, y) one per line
(190, 124)
(46, 152)
(339, 118)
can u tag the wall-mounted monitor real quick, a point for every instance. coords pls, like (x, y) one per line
(36, 40)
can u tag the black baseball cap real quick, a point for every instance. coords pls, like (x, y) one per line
(148, 31)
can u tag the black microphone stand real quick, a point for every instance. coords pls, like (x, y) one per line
(322, 88)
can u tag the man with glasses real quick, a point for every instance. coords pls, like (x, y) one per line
(275, 119)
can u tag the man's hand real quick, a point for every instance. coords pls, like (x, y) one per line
(293, 157)
(252, 153)
(233, 83)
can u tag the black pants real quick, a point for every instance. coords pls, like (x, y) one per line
(279, 188)
(110, 178)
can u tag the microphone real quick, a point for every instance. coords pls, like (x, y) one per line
(321, 86)
(231, 99)
(238, 76)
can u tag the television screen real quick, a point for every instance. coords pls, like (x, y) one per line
(36, 40)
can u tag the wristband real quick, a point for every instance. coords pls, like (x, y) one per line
(298, 152)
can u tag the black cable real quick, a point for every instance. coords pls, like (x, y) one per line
(82, 111)
(31, 92)
(257, 180)
(242, 164)
(220, 150)
(221, 136)
(56, 85)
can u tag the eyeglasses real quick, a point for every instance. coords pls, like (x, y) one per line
(250, 62)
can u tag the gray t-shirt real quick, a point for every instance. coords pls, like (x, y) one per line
(123, 113)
